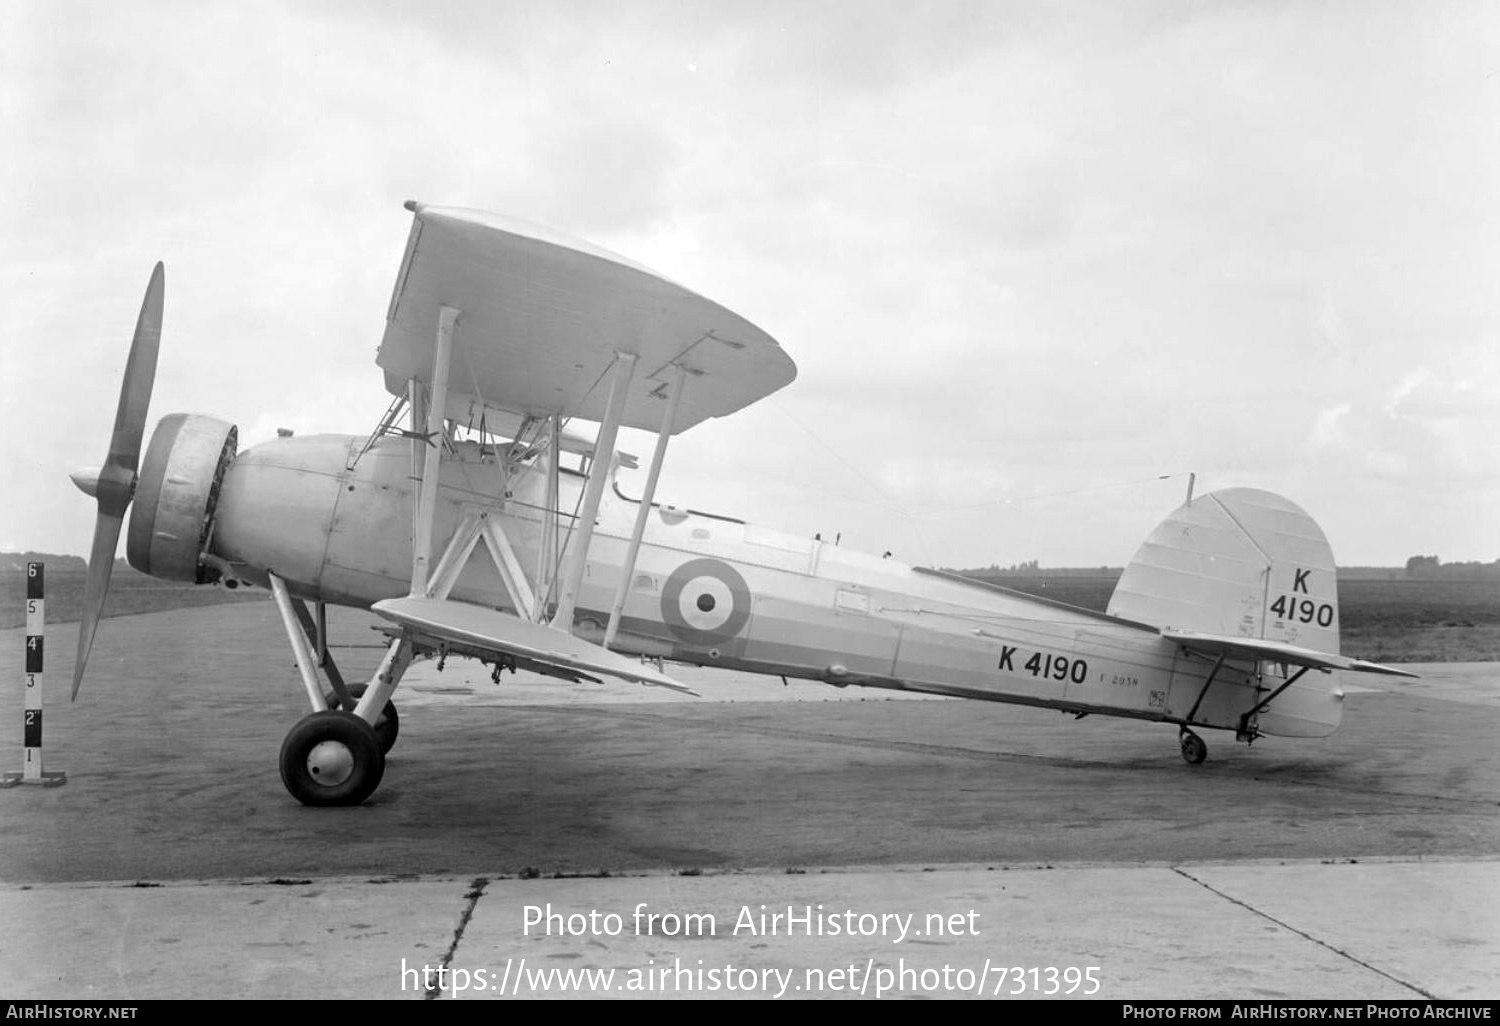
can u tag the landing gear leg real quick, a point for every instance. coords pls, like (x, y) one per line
(1194, 750)
(336, 756)
(387, 724)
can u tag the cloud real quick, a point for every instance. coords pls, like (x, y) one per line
(1015, 250)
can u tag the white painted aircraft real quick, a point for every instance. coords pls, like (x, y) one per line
(490, 527)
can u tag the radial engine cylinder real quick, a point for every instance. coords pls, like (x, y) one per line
(176, 495)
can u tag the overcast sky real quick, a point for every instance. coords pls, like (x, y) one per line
(1030, 258)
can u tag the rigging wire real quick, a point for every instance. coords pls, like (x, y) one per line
(880, 492)
(1037, 496)
(911, 514)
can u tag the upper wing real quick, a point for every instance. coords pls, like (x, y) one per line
(541, 317)
(488, 630)
(1258, 648)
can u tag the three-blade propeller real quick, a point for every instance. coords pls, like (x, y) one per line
(113, 485)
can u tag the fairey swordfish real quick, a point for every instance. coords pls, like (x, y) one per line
(479, 519)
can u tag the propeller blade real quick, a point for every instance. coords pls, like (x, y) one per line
(118, 477)
(101, 565)
(114, 483)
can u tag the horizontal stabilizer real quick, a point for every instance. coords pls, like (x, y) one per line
(1281, 652)
(476, 627)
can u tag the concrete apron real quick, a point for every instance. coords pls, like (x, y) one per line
(1303, 930)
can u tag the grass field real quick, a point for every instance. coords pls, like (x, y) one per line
(129, 592)
(1415, 621)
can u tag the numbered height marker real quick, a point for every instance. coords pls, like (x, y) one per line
(36, 619)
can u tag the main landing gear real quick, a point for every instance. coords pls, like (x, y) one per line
(333, 757)
(336, 755)
(1194, 750)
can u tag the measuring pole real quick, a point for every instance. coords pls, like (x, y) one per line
(31, 769)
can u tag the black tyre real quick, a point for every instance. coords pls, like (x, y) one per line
(331, 758)
(1194, 749)
(387, 724)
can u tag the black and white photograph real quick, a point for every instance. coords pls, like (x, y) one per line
(690, 499)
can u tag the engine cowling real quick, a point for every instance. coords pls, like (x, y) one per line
(176, 495)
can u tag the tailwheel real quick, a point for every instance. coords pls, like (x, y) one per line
(387, 724)
(1194, 750)
(332, 758)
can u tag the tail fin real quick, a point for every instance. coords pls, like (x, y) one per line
(1242, 563)
(1246, 575)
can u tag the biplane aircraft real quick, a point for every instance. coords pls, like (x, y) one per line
(477, 519)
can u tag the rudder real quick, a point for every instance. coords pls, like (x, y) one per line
(1240, 562)
(1250, 564)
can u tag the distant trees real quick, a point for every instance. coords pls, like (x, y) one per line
(15, 561)
(1431, 567)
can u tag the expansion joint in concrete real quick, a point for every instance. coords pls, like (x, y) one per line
(471, 901)
(1303, 934)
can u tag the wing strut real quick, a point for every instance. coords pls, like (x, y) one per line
(421, 538)
(641, 514)
(546, 559)
(475, 527)
(599, 469)
(455, 556)
(511, 574)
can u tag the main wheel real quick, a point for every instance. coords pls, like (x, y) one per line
(331, 758)
(1194, 750)
(387, 724)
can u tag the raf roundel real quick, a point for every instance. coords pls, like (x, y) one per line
(705, 602)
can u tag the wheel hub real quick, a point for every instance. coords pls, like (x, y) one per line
(330, 763)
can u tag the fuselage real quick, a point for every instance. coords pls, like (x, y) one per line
(335, 524)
